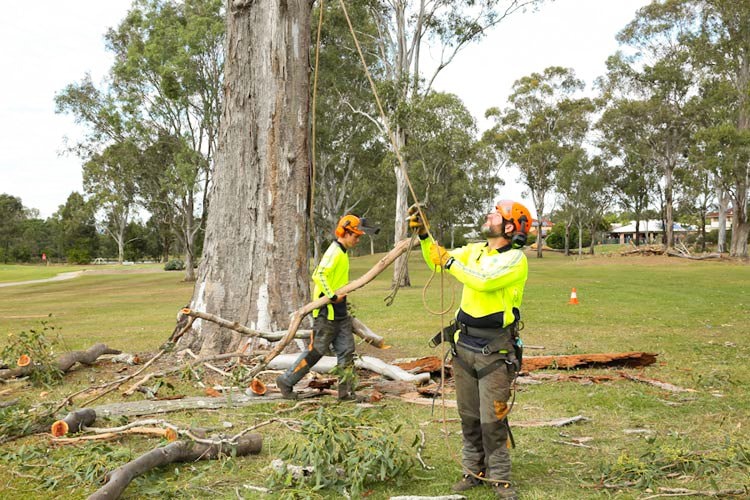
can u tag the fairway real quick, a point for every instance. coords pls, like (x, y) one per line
(694, 315)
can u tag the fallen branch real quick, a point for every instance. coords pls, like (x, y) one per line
(65, 362)
(73, 422)
(558, 422)
(150, 407)
(684, 492)
(628, 359)
(441, 497)
(300, 313)
(656, 383)
(671, 253)
(180, 451)
(108, 436)
(328, 363)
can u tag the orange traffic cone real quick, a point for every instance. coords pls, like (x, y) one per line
(573, 297)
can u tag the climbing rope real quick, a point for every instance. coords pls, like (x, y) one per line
(314, 114)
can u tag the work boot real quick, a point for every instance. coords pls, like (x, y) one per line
(468, 482)
(285, 388)
(504, 491)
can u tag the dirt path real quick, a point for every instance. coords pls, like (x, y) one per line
(59, 277)
(75, 274)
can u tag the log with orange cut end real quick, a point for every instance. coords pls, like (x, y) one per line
(23, 360)
(257, 387)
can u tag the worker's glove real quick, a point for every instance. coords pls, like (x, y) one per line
(338, 299)
(439, 256)
(415, 221)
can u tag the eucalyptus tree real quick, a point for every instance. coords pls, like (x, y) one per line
(349, 145)
(625, 141)
(544, 123)
(405, 29)
(254, 268)
(455, 170)
(109, 178)
(11, 219)
(168, 68)
(76, 229)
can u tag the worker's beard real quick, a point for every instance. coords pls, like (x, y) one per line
(492, 230)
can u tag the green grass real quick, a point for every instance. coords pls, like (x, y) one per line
(694, 315)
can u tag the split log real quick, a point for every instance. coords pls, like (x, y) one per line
(300, 313)
(427, 364)
(65, 362)
(656, 383)
(327, 363)
(628, 359)
(180, 451)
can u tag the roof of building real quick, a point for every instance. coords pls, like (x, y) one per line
(650, 226)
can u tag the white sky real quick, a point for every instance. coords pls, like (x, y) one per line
(49, 44)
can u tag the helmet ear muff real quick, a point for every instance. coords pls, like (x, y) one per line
(339, 232)
(519, 238)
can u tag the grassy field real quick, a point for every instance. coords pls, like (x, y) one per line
(694, 315)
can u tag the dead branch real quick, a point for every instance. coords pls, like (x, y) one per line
(684, 492)
(694, 257)
(364, 332)
(180, 451)
(419, 452)
(373, 364)
(300, 313)
(629, 359)
(558, 422)
(108, 436)
(150, 407)
(64, 362)
(656, 383)
(198, 361)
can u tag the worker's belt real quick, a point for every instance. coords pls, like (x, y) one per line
(500, 339)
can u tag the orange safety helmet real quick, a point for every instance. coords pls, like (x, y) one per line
(355, 225)
(516, 213)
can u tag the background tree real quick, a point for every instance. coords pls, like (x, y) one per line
(76, 226)
(255, 258)
(11, 220)
(110, 179)
(626, 147)
(406, 28)
(544, 123)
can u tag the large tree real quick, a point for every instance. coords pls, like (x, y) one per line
(254, 268)
(543, 125)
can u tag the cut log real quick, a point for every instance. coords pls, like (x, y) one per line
(328, 363)
(73, 422)
(180, 451)
(300, 313)
(364, 332)
(628, 359)
(65, 362)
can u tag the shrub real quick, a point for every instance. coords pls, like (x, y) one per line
(78, 256)
(174, 265)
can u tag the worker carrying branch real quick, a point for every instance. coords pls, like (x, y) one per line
(332, 324)
(484, 337)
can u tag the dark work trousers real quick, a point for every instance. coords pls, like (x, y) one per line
(336, 333)
(483, 406)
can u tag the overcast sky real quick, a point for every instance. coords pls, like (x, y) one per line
(49, 44)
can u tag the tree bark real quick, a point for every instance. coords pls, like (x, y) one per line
(255, 257)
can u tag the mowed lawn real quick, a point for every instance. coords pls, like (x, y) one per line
(694, 315)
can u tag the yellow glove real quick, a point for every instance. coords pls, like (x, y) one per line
(415, 221)
(439, 255)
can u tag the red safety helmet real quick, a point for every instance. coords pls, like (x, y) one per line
(516, 213)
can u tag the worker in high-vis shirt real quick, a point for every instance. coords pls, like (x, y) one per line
(332, 324)
(484, 338)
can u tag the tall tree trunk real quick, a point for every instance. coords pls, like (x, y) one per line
(669, 222)
(740, 224)
(255, 257)
(721, 195)
(400, 268)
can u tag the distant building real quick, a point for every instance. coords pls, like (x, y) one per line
(546, 227)
(713, 218)
(649, 231)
